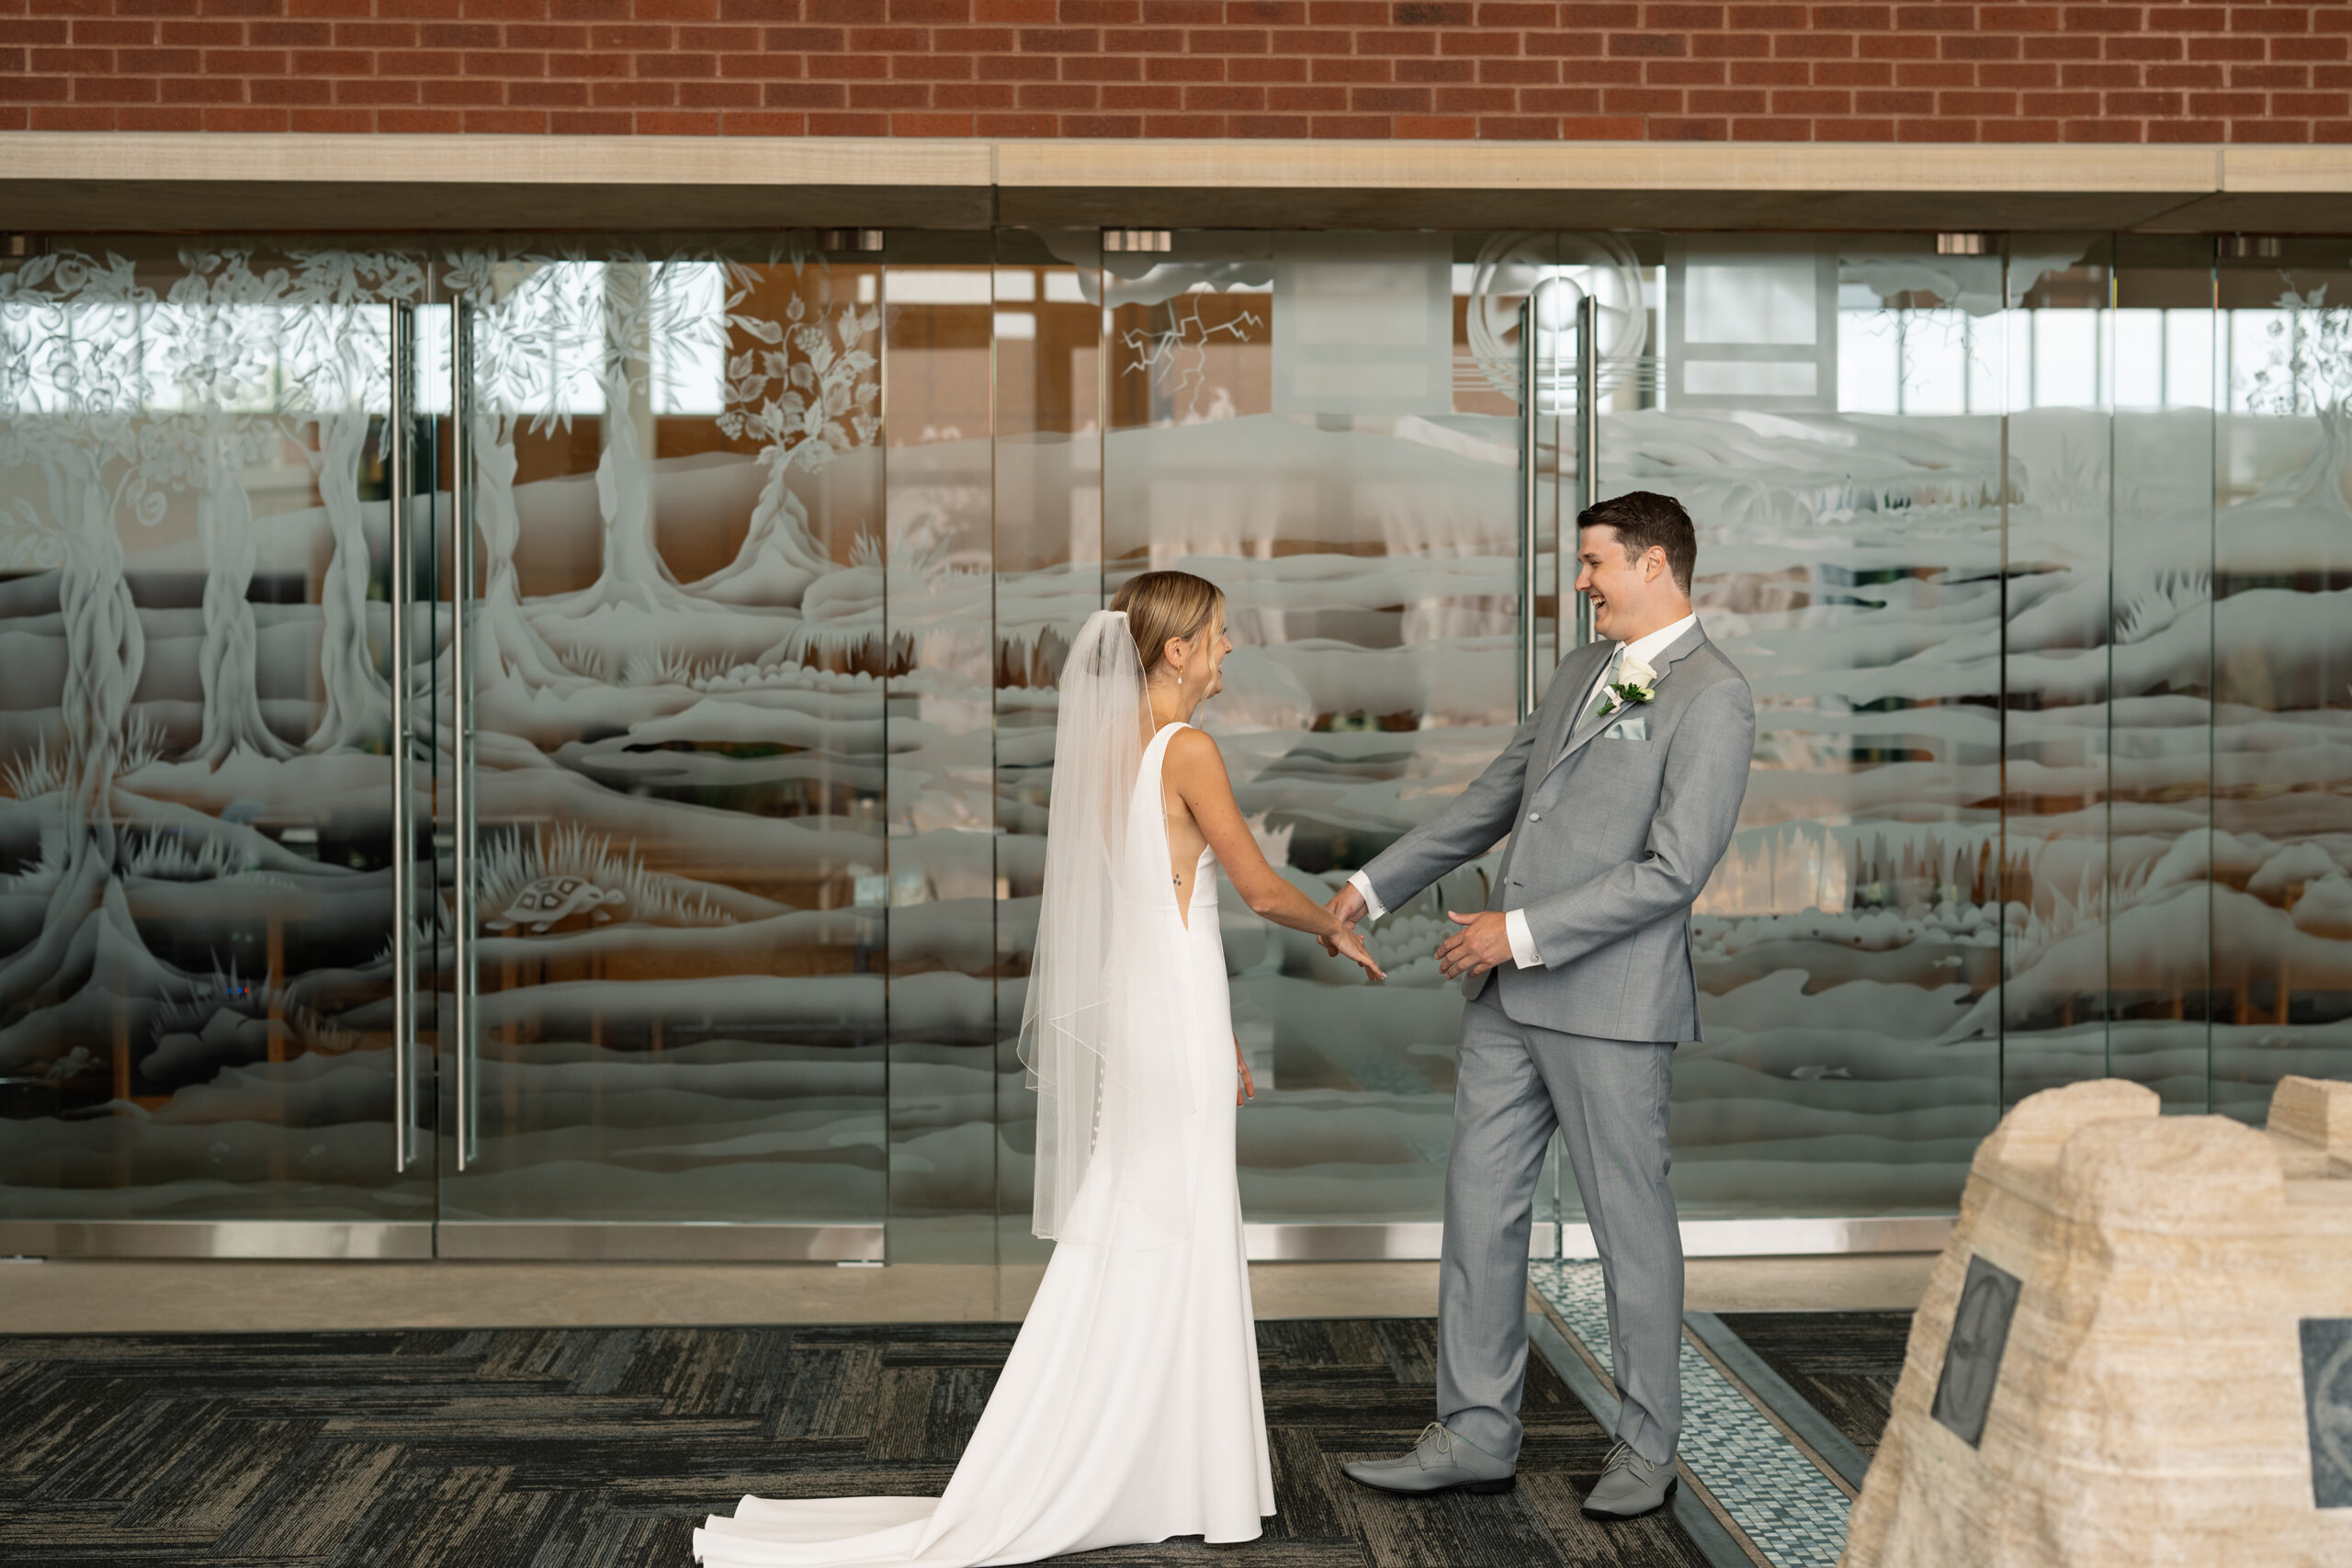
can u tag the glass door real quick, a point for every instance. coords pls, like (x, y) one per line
(201, 992)
(660, 712)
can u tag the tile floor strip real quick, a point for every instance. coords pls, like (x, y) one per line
(1698, 1516)
(1829, 1447)
(1771, 1491)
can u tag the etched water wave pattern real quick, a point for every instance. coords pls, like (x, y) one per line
(2037, 562)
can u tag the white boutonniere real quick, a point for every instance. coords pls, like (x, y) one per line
(1637, 685)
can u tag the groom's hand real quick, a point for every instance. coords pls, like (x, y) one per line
(1482, 943)
(1346, 907)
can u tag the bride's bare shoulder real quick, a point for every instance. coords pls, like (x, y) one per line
(1191, 744)
(1191, 753)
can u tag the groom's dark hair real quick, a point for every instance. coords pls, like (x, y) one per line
(1645, 519)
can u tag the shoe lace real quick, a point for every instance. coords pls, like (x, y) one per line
(1444, 1439)
(1622, 1452)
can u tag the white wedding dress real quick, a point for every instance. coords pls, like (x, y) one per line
(1129, 1409)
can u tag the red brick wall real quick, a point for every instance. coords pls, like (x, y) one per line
(2161, 72)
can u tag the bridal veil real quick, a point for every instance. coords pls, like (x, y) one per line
(1094, 1030)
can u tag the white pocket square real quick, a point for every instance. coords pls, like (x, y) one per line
(1627, 729)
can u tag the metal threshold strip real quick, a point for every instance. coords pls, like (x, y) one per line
(353, 1239)
(1299, 1243)
(532, 1241)
(725, 1242)
(694, 1242)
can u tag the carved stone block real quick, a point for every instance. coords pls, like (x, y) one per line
(2168, 1377)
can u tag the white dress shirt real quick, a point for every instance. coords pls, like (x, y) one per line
(1522, 941)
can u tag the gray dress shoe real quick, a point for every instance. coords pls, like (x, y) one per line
(1629, 1486)
(1440, 1461)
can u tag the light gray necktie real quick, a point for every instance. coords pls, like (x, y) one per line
(1601, 698)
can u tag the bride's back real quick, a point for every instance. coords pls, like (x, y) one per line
(1186, 840)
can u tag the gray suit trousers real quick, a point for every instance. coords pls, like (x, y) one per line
(1514, 1082)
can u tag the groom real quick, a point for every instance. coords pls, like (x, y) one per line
(1619, 792)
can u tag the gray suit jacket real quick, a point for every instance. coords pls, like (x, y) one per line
(1614, 829)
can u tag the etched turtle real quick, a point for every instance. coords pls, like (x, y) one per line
(551, 899)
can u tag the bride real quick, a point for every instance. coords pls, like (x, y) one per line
(1128, 1411)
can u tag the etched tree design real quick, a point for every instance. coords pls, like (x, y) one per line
(640, 304)
(539, 317)
(526, 316)
(1176, 355)
(221, 344)
(2309, 373)
(338, 355)
(73, 390)
(808, 393)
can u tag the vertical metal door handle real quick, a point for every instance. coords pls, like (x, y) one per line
(398, 421)
(1588, 445)
(461, 802)
(1530, 412)
(1587, 390)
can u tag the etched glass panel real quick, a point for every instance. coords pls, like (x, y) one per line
(195, 884)
(2054, 663)
(1049, 546)
(677, 656)
(1849, 564)
(941, 320)
(2281, 857)
(2159, 927)
(1364, 529)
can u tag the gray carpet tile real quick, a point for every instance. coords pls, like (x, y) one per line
(580, 1448)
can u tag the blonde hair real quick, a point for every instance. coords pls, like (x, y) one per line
(1164, 604)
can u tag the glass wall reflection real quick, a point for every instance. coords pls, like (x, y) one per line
(2036, 560)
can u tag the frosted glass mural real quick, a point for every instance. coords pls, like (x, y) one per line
(2037, 562)
(1851, 563)
(195, 902)
(2279, 865)
(677, 669)
(1306, 421)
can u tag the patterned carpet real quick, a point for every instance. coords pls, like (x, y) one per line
(1844, 1364)
(585, 1448)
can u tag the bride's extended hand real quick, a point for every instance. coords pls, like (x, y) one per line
(1346, 907)
(1347, 944)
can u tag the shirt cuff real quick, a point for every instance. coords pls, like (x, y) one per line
(1374, 908)
(1522, 941)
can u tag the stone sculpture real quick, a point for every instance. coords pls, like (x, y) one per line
(2166, 1378)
